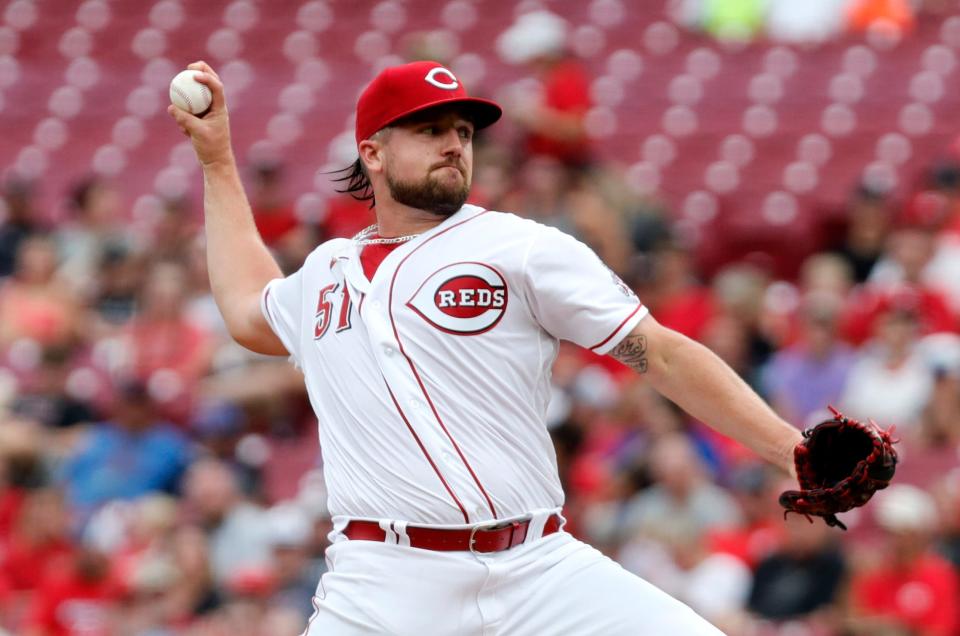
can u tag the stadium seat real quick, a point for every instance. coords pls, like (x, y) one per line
(765, 88)
(149, 43)
(800, 177)
(166, 15)
(893, 148)
(939, 59)
(927, 87)
(760, 121)
(950, 32)
(846, 88)
(737, 149)
(93, 15)
(241, 15)
(588, 41)
(75, 42)
(722, 177)
(128, 132)
(838, 120)
(624, 64)
(685, 89)
(225, 44)
(314, 16)
(860, 60)
(660, 38)
(703, 63)
(916, 119)
(21, 14)
(658, 149)
(679, 121)
(607, 91)
(814, 148)
(780, 61)
(459, 15)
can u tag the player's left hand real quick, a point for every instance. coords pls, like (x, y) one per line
(840, 463)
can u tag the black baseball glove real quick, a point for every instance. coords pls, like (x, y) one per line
(840, 464)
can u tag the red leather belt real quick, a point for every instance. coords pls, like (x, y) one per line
(489, 538)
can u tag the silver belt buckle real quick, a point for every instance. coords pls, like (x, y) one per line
(473, 535)
(491, 525)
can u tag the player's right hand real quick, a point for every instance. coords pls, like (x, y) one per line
(210, 134)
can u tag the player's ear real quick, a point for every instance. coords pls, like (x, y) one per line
(371, 155)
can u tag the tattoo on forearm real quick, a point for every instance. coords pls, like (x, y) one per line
(632, 352)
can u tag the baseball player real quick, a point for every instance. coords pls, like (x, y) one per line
(426, 343)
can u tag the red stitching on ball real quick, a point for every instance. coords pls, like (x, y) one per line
(184, 97)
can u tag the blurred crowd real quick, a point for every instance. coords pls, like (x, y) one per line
(809, 22)
(157, 479)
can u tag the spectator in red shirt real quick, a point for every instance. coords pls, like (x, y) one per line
(40, 540)
(39, 546)
(79, 600)
(554, 120)
(867, 308)
(912, 264)
(675, 295)
(345, 216)
(34, 525)
(912, 589)
(272, 212)
(284, 232)
(168, 351)
(762, 532)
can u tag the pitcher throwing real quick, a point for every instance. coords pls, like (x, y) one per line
(426, 344)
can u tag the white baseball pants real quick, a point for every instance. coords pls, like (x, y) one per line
(554, 586)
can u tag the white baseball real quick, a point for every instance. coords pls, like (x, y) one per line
(188, 94)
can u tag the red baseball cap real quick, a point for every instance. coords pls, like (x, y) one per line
(399, 91)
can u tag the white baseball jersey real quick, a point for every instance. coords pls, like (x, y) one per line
(431, 381)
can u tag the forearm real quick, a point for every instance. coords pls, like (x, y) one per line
(706, 387)
(698, 381)
(239, 263)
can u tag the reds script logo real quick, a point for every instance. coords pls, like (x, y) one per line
(464, 299)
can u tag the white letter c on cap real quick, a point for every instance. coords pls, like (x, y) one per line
(439, 70)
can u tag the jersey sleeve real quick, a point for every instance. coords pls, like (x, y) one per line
(575, 296)
(281, 303)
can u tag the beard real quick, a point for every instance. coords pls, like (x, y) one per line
(430, 194)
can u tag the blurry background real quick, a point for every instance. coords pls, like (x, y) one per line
(778, 179)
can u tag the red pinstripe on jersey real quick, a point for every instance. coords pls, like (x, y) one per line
(466, 517)
(413, 367)
(619, 327)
